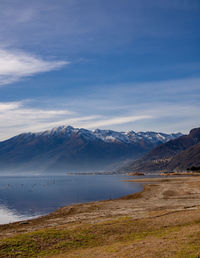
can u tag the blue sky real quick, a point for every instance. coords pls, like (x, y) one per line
(122, 65)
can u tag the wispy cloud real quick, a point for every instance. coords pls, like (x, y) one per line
(15, 65)
(77, 121)
(86, 24)
(16, 118)
(167, 116)
(116, 121)
(172, 105)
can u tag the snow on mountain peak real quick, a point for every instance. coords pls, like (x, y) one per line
(109, 135)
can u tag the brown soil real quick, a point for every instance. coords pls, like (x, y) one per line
(164, 202)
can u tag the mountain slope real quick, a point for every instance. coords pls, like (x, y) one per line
(72, 149)
(186, 159)
(171, 155)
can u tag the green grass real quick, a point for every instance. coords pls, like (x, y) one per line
(55, 241)
(192, 248)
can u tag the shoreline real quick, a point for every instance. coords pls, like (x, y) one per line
(107, 194)
(146, 185)
(36, 217)
(174, 199)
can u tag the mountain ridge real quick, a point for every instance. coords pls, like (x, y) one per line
(72, 149)
(171, 156)
(105, 135)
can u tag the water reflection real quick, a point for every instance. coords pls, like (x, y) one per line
(25, 197)
(8, 215)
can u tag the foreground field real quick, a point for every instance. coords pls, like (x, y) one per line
(161, 221)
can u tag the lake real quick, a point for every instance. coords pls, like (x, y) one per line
(28, 197)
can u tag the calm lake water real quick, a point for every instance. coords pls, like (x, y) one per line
(27, 197)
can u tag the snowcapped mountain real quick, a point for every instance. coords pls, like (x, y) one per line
(66, 148)
(175, 155)
(131, 136)
(107, 135)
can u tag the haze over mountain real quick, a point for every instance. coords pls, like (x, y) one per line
(71, 149)
(175, 155)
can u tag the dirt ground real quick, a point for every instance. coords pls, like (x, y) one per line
(171, 204)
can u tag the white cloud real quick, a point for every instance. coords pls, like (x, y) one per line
(17, 118)
(9, 106)
(116, 121)
(172, 106)
(15, 65)
(79, 121)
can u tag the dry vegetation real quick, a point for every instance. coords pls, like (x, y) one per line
(161, 221)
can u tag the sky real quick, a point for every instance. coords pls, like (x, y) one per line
(117, 64)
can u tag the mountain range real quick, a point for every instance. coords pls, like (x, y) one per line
(175, 155)
(68, 149)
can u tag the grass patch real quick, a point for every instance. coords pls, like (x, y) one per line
(192, 248)
(54, 241)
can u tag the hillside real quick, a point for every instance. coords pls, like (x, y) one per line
(178, 154)
(186, 159)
